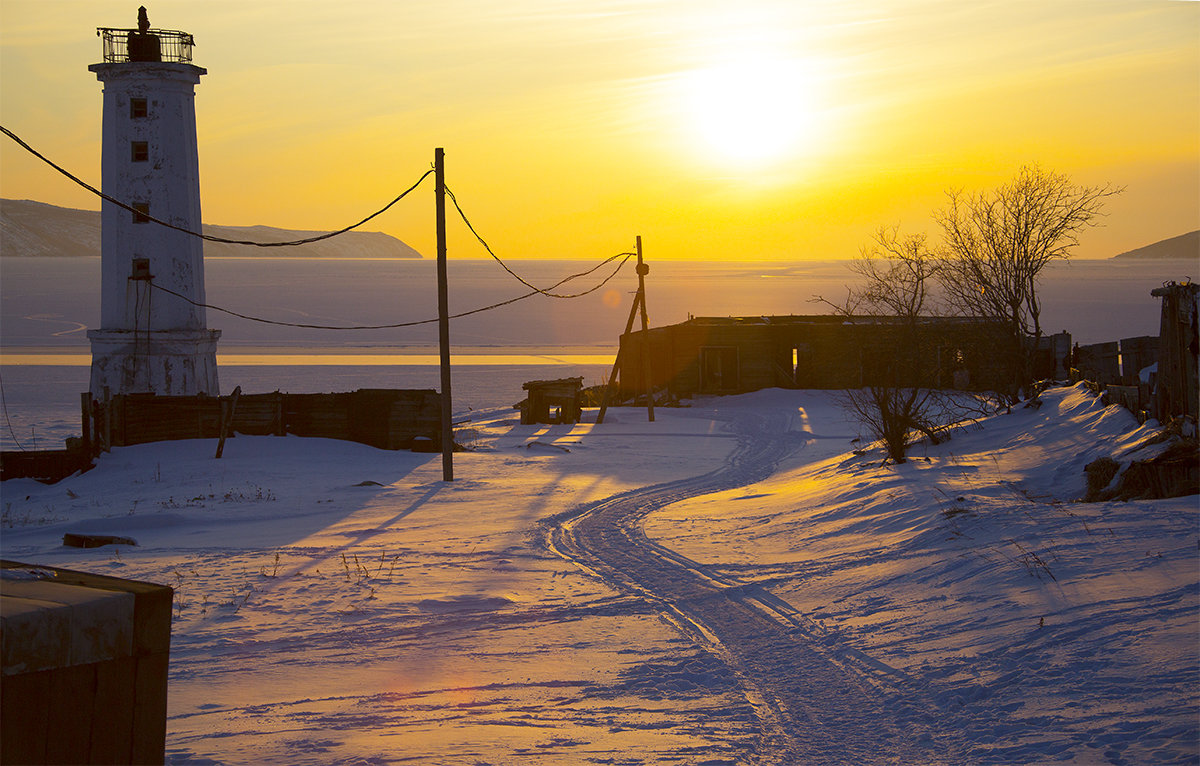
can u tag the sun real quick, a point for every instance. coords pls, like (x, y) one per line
(754, 109)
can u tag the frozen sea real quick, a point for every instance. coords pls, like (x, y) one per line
(49, 303)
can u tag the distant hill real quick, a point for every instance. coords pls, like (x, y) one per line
(32, 229)
(1183, 246)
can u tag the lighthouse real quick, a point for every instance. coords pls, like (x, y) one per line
(151, 340)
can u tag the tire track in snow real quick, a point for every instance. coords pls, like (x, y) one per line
(811, 707)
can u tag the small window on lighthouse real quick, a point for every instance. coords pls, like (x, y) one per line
(137, 108)
(139, 151)
(141, 212)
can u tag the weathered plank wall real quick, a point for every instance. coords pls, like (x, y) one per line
(46, 466)
(1116, 362)
(740, 354)
(384, 418)
(90, 687)
(1178, 392)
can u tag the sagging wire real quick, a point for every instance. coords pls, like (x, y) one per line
(4, 406)
(504, 265)
(207, 237)
(210, 238)
(624, 258)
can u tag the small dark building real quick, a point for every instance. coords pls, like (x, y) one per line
(552, 401)
(727, 355)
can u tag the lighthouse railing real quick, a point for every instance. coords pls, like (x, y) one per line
(174, 47)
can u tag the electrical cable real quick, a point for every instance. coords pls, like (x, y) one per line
(4, 406)
(625, 258)
(201, 235)
(207, 237)
(504, 265)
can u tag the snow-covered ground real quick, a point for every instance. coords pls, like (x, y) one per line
(728, 584)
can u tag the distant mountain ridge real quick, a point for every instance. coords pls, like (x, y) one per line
(36, 229)
(1183, 246)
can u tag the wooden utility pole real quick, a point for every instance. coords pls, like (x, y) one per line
(642, 270)
(616, 368)
(639, 303)
(439, 173)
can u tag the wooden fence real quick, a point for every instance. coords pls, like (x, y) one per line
(1116, 362)
(48, 465)
(384, 418)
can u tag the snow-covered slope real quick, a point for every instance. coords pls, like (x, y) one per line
(337, 603)
(1044, 629)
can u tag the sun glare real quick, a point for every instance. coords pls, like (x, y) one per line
(754, 109)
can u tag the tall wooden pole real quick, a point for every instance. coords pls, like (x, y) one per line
(642, 270)
(439, 172)
(639, 304)
(612, 376)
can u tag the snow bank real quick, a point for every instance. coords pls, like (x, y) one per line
(337, 603)
(1043, 629)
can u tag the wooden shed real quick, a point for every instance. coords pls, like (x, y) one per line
(727, 355)
(1178, 390)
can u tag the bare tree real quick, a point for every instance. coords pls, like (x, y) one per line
(996, 245)
(897, 273)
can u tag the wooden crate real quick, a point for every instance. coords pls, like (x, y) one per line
(84, 667)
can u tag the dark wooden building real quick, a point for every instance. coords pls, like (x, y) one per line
(726, 355)
(1177, 393)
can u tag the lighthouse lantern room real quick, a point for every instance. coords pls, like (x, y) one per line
(151, 340)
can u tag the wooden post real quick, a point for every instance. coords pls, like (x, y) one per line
(633, 311)
(108, 404)
(227, 410)
(647, 379)
(85, 407)
(443, 314)
(639, 304)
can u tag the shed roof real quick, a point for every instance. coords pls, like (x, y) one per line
(820, 319)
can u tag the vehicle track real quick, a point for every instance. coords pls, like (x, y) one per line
(813, 706)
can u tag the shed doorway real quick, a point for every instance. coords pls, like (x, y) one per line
(718, 369)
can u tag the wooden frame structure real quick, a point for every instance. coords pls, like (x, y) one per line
(552, 401)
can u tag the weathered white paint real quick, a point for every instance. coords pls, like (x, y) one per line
(166, 362)
(150, 341)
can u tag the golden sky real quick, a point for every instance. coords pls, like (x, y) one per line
(761, 129)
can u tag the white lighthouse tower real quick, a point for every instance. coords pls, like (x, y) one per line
(151, 341)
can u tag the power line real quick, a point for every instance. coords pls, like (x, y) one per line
(4, 405)
(504, 265)
(624, 258)
(207, 237)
